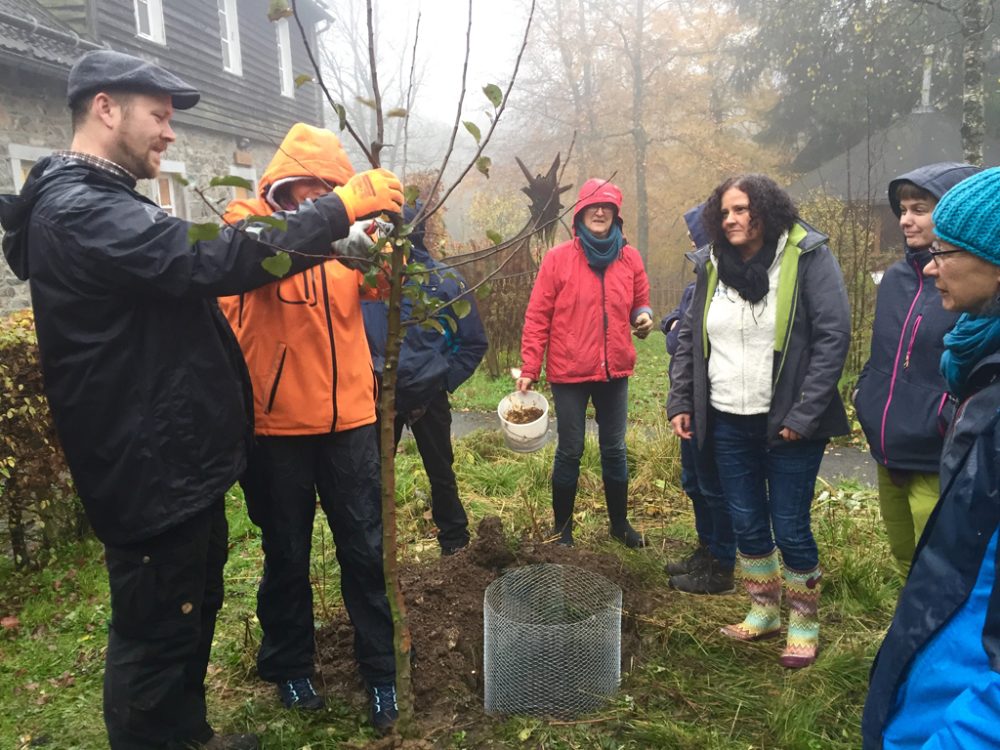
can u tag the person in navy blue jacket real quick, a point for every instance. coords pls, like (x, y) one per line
(901, 396)
(935, 683)
(432, 365)
(709, 569)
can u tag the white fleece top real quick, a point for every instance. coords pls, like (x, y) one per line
(741, 345)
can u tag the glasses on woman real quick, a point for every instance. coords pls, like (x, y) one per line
(937, 252)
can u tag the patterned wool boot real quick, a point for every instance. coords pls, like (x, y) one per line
(762, 579)
(802, 589)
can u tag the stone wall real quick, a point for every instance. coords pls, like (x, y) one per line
(34, 118)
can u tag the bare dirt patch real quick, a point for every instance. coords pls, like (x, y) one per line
(444, 600)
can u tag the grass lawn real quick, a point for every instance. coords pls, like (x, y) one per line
(647, 387)
(687, 687)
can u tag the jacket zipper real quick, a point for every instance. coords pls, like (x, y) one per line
(333, 347)
(895, 364)
(604, 313)
(913, 337)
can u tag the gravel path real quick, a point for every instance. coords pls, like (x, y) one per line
(840, 463)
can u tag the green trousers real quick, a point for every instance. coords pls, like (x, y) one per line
(905, 510)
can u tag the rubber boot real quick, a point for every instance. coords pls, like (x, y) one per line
(616, 496)
(762, 579)
(563, 499)
(802, 589)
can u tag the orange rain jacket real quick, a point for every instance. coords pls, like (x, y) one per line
(303, 336)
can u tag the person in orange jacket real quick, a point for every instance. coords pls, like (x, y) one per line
(314, 394)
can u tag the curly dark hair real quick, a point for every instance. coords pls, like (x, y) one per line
(770, 206)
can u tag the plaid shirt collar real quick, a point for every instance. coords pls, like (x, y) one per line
(101, 163)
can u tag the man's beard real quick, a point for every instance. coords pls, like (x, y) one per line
(138, 163)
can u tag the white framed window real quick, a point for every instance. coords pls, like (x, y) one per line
(22, 159)
(229, 33)
(250, 175)
(149, 20)
(285, 77)
(164, 189)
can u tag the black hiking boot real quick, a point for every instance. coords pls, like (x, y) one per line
(695, 561)
(712, 578)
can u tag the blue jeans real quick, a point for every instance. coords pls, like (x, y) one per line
(768, 487)
(611, 407)
(700, 481)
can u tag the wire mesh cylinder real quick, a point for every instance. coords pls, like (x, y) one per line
(551, 641)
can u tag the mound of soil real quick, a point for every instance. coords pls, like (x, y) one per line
(444, 600)
(523, 414)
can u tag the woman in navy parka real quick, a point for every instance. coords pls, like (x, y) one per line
(936, 680)
(901, 398)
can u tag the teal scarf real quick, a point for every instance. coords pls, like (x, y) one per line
(972, 339)
(601, 251)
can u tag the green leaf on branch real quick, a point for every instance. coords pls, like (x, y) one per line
(366, 102)
(371, 277)
(494, 94)
(397, 112)
(231, 181)
(474, 129)
(278, 9)
(483, 291)
(278, 264)
(272, 221)
(494, 236)
(181, 180)
(341, 115)
(198, 232)
(302, 79)
(411, 193)
(461, 307)
(483, 164)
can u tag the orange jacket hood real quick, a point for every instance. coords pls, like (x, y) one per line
(306, 152)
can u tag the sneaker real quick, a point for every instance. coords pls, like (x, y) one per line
(228, 742)
(709, 579)
(300, 693)
(384, 711)
(696, 560)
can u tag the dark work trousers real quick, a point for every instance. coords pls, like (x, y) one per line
(283, 477)
(165, 594)
(432, 431)
(700, 481)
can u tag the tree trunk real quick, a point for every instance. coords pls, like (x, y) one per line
(397, 606)
(973, 95)
(640, 138)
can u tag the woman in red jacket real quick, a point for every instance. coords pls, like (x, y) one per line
(590, 293)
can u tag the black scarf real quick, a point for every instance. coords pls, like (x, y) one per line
(749, 278)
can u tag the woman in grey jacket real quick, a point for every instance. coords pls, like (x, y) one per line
(759, 356)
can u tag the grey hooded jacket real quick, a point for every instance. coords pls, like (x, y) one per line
(812, 336)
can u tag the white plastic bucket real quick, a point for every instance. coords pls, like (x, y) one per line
(524, 438)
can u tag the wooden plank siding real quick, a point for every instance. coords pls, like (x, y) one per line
(248, 105)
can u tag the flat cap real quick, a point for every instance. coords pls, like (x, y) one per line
(102, 70)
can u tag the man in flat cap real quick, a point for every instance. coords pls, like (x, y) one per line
(145, 380)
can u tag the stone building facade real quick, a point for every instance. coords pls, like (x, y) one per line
(229, 133)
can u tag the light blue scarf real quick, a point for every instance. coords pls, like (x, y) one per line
(971, 340)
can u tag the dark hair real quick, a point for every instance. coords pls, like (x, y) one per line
(909, 191)
(80, 108)
(770, 206)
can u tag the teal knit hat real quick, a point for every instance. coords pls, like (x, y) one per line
(968, 215)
